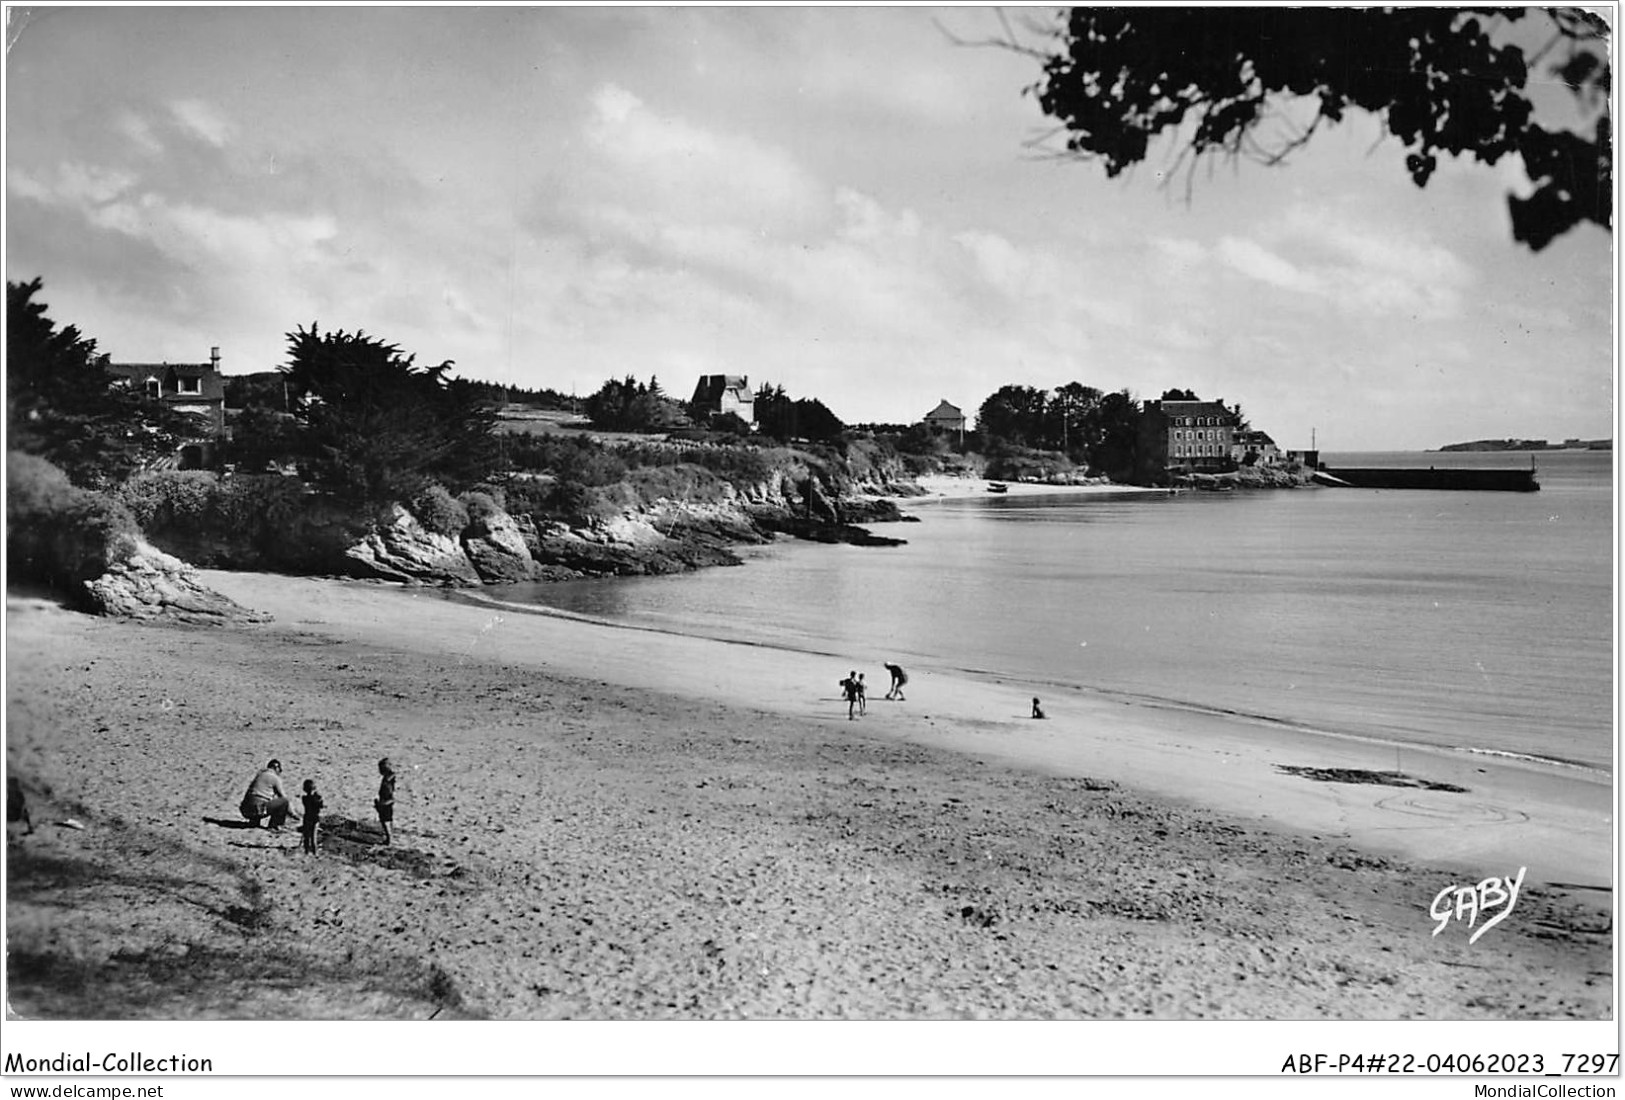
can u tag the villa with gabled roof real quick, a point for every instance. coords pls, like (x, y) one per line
(197, 388)
(725, 393)
(948, 418)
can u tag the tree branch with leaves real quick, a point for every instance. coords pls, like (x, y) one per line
(1443, 81)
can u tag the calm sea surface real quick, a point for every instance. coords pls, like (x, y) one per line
(1474, 620)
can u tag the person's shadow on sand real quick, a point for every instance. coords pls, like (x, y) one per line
(227, 823)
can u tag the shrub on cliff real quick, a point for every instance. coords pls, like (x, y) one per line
(687, 483)
(529, 496)
(578, 459)
(481, 505)
(57, 532)
(170, 499)
(246, 521)
(1010, 462)
(728, 424)
(438, 511)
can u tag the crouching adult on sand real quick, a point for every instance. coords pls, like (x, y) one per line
(265, 799)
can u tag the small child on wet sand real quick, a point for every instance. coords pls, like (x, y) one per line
(1038, 711)
(849, 690)
(863, 696)
(385, 803)
(312, 802)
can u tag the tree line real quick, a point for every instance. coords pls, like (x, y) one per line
(360, 419)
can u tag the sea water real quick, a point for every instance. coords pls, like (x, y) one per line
(1476, 621)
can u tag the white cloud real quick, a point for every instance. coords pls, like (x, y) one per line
(139, 131)
(1257, 262)
(999, 262)
(202, 120)
(1354, 267)
(865, 220)
(1179, 252)
(1370, 269)
(197, 235)
(75, 185)
(666, 166)
(22, 185)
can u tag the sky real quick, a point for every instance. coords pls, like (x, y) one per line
(841, 201)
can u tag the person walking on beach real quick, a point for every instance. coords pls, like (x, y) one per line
(863, 696)
(265, 799)
(849, 689)
(311, 800)
(898, 679)
(385, 803)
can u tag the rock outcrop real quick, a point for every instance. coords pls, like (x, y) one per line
(146, 583)
(399, 548)
(496, 548)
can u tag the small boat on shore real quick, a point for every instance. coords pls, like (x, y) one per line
(997, 487)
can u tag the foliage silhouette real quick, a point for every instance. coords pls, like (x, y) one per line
(1443, 81)
(62, 404)
(781, 417)
(630, 406)
(376, 426)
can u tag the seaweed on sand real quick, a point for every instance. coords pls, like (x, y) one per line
(1363, 775)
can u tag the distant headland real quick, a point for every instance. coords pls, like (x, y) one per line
(1531, 445)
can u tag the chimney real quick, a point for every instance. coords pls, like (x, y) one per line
(214, 358)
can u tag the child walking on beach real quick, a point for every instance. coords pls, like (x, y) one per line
(385, 803)
(312, 802)
(849, 689)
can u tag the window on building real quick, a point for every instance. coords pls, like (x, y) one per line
(190, 385)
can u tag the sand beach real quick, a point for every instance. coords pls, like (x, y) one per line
(609, 824)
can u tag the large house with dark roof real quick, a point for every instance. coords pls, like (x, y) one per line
(725, 393)
(1187, 436)
(196, 388)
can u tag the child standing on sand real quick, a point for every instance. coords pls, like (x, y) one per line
(385, 803)
(312, 801)
(849, 690)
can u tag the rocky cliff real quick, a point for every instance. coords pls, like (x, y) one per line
(648, 538)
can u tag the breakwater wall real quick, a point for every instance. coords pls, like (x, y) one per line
(1514, 481)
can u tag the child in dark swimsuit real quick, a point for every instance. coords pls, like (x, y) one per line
(312, 802)
(385, 803)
